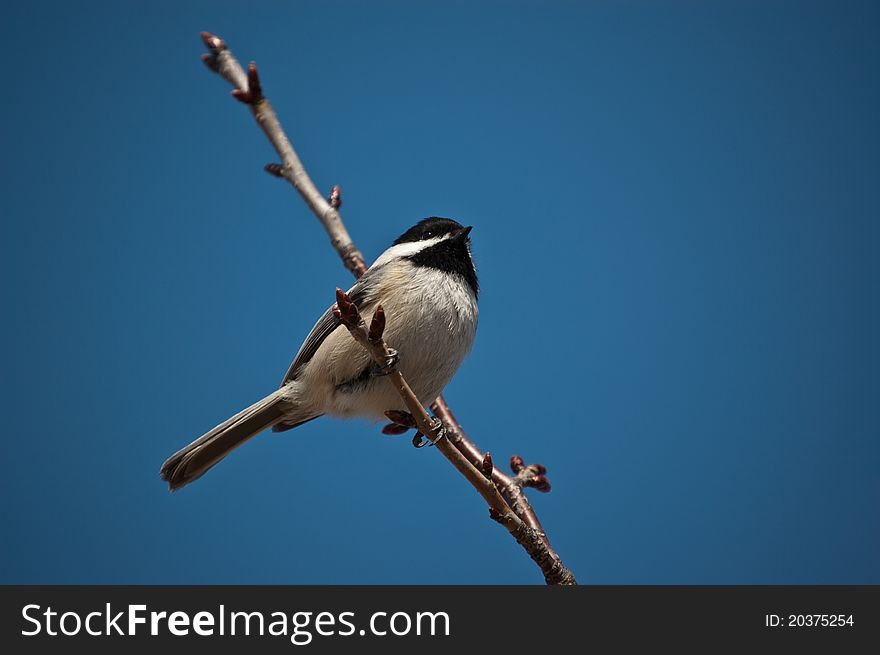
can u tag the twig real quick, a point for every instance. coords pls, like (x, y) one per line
(507, 503)
(247, 88)
(511, 487)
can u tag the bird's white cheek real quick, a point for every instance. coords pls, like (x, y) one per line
(402, 250)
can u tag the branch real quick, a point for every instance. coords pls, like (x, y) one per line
(507, 503)
(247, 89)
(372, 340)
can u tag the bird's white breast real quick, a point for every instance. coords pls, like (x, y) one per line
(431, 320)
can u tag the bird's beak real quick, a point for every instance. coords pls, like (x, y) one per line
(462, 234)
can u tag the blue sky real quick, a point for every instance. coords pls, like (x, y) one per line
(676, 229)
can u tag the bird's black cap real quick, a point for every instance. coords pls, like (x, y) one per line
(429, 228)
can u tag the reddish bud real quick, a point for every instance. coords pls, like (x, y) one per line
(242, 96)
(539, 482)
(487, 466)
(345, 310)
(335, 197)
(212, 42)
(210, 60)
(395, 429)
(401, 418)
(274, 169)
(255, 88)
(516, 463)
(377, 325)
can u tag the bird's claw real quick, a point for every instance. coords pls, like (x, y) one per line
(391, 361)
(436, 434)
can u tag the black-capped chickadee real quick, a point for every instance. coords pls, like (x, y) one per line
(427, 284)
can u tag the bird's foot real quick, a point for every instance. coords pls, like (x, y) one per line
(391, 362)
(436, 434)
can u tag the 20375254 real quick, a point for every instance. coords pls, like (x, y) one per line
(809, 620)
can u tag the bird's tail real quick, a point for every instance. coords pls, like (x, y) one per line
(192, 461)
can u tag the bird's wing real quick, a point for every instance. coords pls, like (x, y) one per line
(360, 294)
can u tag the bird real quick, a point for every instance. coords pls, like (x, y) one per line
(426, 283)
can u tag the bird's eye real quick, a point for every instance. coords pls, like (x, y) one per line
(428, 234)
